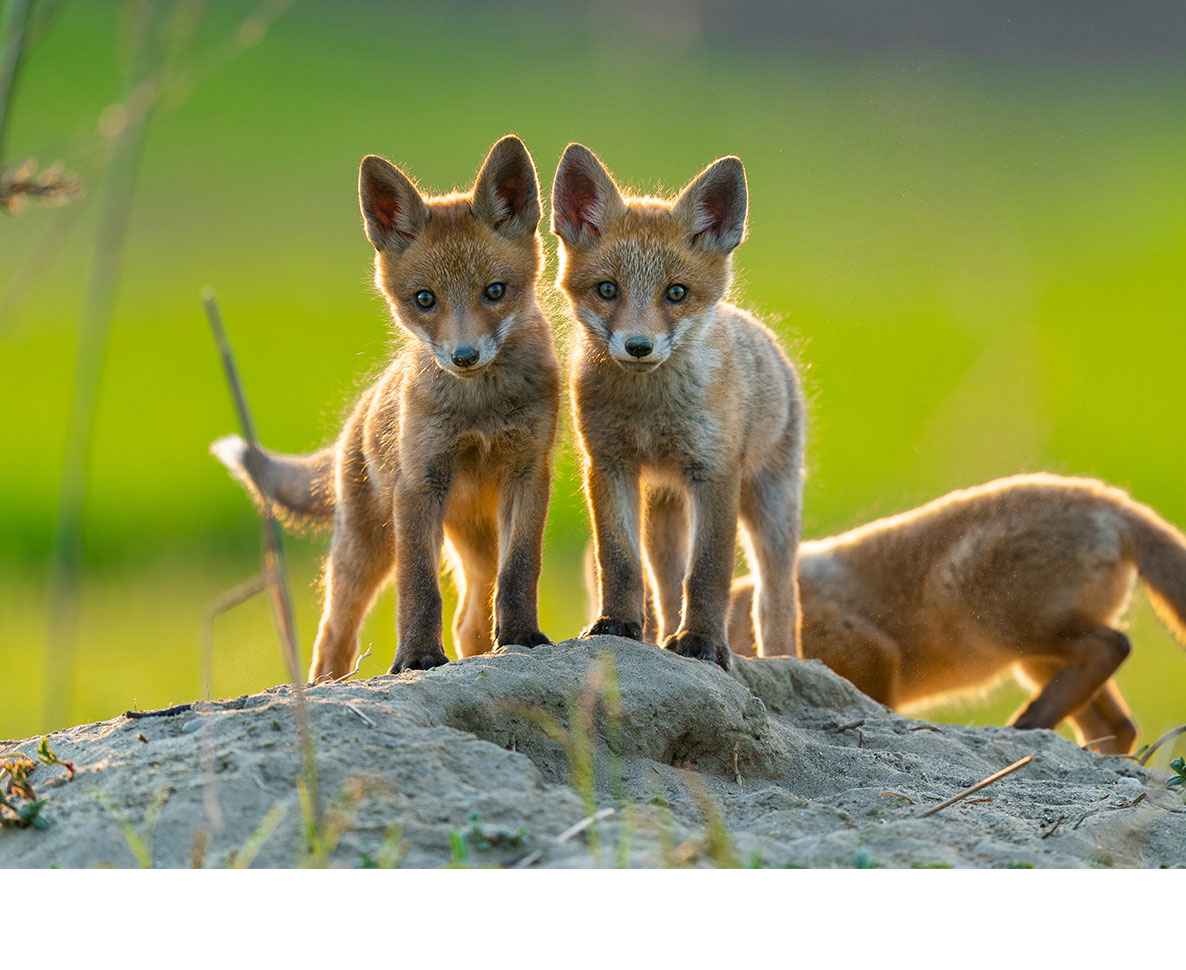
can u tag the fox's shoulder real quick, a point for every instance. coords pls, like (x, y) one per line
(734, 316)
(748, 331)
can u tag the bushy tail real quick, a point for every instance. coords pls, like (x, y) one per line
(298, 489)
(1159, 551)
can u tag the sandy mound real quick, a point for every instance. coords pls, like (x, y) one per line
(780, 762)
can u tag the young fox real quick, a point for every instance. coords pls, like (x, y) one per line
(453, 443)
(1033, 571)
(689, 414)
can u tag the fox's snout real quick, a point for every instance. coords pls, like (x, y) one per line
(466, 356)
(638, 349)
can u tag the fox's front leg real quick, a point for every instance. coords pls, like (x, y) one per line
(522, 511)
(419, 535)
(702, 632)
(613, 504)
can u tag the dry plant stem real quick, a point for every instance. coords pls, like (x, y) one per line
(175, 91)
(354, 710)
(575, 830)
(569, 833)
(93, 332)
(275, 568)
(16, 26)
(979, 785)
(1168, 736)
(228, 600)
(357, 664)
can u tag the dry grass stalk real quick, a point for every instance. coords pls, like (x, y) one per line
(274, 566)
(978, 786)
(94, 329)
(1168, 736)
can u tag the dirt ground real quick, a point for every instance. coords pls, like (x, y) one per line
(491, 761)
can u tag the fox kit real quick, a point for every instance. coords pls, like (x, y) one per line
(1032, 572)
(688, 412)
(452, 445)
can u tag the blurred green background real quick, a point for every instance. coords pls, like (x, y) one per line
(976, 253)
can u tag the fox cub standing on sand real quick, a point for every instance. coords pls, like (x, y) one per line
(453, 443)
(1033, 571)
(685, 406)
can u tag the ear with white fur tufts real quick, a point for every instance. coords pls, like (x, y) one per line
(584, 197)
(714, 205)
(392, 210)
(506, 192)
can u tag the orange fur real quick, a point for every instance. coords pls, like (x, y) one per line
(452, 445)
(689, 414)
(1031, 573)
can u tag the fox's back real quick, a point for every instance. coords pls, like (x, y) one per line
(1004, 555)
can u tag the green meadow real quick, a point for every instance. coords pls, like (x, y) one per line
(979, 265)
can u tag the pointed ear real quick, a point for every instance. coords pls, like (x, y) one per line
(584, 197)
(713, 206)
(506, 193)
(392, 210)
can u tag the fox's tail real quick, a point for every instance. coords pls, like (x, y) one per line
(1159, 552)
(298, 489)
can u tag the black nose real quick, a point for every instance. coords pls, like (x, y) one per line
(639, 347)
(465, 356)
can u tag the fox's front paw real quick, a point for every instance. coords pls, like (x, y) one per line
(520, 638)
(607, 626)
(424, 659)
(698, 646)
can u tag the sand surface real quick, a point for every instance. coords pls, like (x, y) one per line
(779, 762)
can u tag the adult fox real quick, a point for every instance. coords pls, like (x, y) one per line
(689, 414)
(453, 443)
(1032, 572)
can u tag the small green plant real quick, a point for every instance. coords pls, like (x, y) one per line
(480, 838)
(19, 805)
(46, 756)
(1178, 767)
(458, 850)
(323, 834)
(243, 857)
(139, 841)
(391, 853)
(862, 860)
(487, 837)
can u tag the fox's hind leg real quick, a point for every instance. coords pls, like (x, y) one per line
(1105, 716)
(360, 560)
(1083, 665)
(475, 565)
(665, 545)
(770, 520)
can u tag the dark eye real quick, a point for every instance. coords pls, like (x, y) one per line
(495, 292)
(607, 290)
(426, 299)
(676, 292)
